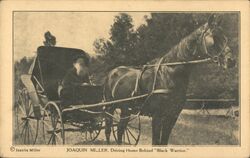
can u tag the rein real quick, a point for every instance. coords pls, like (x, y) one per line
(179, 63)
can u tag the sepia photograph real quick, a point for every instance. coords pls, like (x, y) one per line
(126, 78)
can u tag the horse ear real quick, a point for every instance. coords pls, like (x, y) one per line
(218, 20)
(214, 20)
(211, 20)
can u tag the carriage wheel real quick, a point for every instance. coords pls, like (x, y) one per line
(52, 125)
(25, 122)
(132, 131)
(92, 131)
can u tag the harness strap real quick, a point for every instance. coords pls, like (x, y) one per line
(156, 72)
(136, 84)
(114, 88)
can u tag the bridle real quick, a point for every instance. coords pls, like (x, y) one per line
(209, 56)
(214, 58)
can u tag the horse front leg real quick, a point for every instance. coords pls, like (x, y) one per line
(168, 123)
(156, 129)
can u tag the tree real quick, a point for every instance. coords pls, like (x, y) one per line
(161, 33)
(50, 40)
(119, 49)
(102, 46)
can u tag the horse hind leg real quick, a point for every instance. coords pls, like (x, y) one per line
(122, 125)
(108, 124)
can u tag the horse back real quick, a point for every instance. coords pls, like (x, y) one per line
(120, 83)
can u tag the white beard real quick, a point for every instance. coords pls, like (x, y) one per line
(81, 71)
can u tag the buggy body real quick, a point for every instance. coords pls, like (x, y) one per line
(39, 115)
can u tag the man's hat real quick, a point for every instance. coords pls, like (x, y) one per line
(84, 57)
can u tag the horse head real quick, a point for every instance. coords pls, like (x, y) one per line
(215, 43)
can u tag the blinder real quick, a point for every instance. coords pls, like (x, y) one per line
(215, 58)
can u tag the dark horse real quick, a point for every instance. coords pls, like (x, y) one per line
(208, 41)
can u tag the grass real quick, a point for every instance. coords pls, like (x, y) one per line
(190, 129)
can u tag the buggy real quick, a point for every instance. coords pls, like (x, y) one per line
(39, 116)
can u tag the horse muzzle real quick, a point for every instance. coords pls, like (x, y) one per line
(231, 63)
(228, 63)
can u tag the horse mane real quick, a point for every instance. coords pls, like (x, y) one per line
(184, 49)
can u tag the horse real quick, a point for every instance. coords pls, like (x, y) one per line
(171, 81)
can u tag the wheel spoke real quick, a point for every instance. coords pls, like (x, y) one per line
(50, 138)
(127, 136)
(28, 134)
(131, 134)
(22, 110)
(28, 107)
(32, 127)
(31, 113)
(56, 120)
(26, 125)
(25, 133)
(22, 122)
(22, 131)
(32, 138)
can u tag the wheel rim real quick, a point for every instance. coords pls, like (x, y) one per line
(92, 130)
(26, 124)
(52, 126)
(132, 131)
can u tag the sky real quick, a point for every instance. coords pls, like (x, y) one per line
(71, 29)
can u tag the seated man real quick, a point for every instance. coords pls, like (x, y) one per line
(76, 77)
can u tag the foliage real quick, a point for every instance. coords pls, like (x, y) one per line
(119, 49)
(130, 46)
